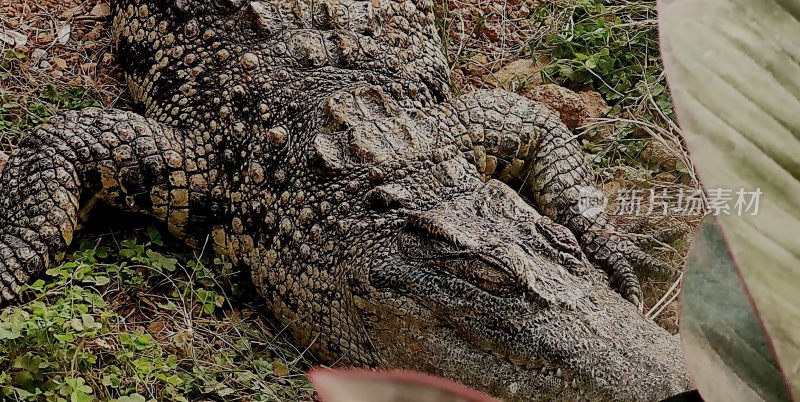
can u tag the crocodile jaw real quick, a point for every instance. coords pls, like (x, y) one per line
(598, 347)
(562, 334)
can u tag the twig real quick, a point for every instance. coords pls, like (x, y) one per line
(653, 313)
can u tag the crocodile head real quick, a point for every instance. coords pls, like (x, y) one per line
(484, 290)
(465, 279)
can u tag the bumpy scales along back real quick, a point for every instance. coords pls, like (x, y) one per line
(319, 146)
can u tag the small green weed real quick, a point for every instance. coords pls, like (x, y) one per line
(139, 325)
(610, 46)
(19, 115)
(20, 112)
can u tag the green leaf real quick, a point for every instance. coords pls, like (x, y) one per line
(719, 323)
(160, 261)
(126, 253)
(78, 396)
(9, 331)
(208, 298)
(131, 398)
(28, 362)
(172, 362)
(101, 252)
(155, 236)
(25, 380)
(89, 322)
(733, 69)
(111, 380)
(101, 280)
(143, 341)
(76, 324)
(53, 271)
(169, 305)
(68, 337)
(225, 391)
(23, 394)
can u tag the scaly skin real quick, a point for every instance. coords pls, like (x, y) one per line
(319, 145)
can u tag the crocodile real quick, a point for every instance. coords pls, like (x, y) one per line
(384, 221)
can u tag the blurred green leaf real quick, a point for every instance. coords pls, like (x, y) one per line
(733, 69)
(155, 236)
(727, 349)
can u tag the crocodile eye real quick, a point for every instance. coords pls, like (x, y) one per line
(483, 274)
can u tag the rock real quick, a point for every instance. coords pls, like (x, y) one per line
(63, 34)
(594, 103)
(660, 154)
(101, 10)
(574, 109)
(477, 65)
(60, 63)
(37, 55)
(492, 31)
(481, 59)
(596, 107)
(567, 104)
(13, 38)
(666, 177)
(525, 72)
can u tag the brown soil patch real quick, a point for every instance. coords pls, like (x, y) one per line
(65, 44)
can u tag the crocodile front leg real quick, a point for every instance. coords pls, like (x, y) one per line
(115, 156)
(524, 144)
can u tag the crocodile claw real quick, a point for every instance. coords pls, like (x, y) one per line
(628, 265)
